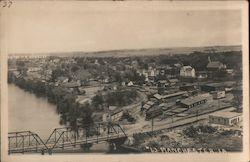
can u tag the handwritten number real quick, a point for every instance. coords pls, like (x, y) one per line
(5, 3)
(10, 3)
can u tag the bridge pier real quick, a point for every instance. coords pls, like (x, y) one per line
(115, 144)
(86, 146)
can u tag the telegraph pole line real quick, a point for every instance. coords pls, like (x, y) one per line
(197, 114)
(152, 123)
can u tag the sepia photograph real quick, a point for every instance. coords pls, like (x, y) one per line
(124, 80)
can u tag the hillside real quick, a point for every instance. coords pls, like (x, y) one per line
(142, 52)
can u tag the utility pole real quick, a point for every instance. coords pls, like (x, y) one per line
(197, 113)
(172, 124)
(152, 124)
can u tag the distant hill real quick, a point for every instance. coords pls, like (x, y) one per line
(142, 52)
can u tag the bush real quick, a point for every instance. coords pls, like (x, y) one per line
(194, 131)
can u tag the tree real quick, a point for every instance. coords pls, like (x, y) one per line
(74, 68)
(87, 120)
(74, 115)
(97, 100)
(57, 73)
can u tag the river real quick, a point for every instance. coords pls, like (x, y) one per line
(36, 114)
(29, 112)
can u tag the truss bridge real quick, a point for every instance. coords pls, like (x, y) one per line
(65, 137)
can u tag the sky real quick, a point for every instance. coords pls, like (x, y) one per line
(42, 28)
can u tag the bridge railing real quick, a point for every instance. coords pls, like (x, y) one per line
(26, 141)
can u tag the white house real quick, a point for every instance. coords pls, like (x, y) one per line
(225, 118)
(130, 83)
(187, 71)
(151, 72)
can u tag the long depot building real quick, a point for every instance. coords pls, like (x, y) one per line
(193, 101)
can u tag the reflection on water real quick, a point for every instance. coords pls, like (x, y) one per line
(28, 112)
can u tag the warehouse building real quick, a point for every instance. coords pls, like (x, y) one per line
(193, 101)
(225, 118)
(172, 95)
(217, 86)
(212, 87)
(218, 94)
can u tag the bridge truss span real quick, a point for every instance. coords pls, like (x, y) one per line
(66, 137)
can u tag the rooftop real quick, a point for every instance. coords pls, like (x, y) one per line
(158, 96)
(116, 111)
(146, 106)
(192, 100)
(150, 103)
(153, 109)
(71, 85)
(174, 94)
(178, 110)
(187, 67)
(214, 64)
(228, 83)
(226, 114)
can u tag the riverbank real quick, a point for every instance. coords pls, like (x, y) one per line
(68, 110)
(29, 112)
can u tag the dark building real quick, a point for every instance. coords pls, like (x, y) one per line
(193, 101)
(216, 86)
(190, 87)
(153, 112)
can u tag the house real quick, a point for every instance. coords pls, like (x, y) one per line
(187, 71)
(177, 65)
(71, 85)
(218, 94)
(148, 105)
(134, 64)
(193, 101)
(112, 115)
(188, 87)
(201, 74)
(166, 106)
(151, 73)
(230, 71)
(158, 96)
(62, 79)
(34, 69)
(130, 83)
(153, 112)
(81, 99)
(173, 81)
(225, 118)
(82, 75)
(160, 70)
(123, 83)
(163, 83)
(81, 90)
(215, 65)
